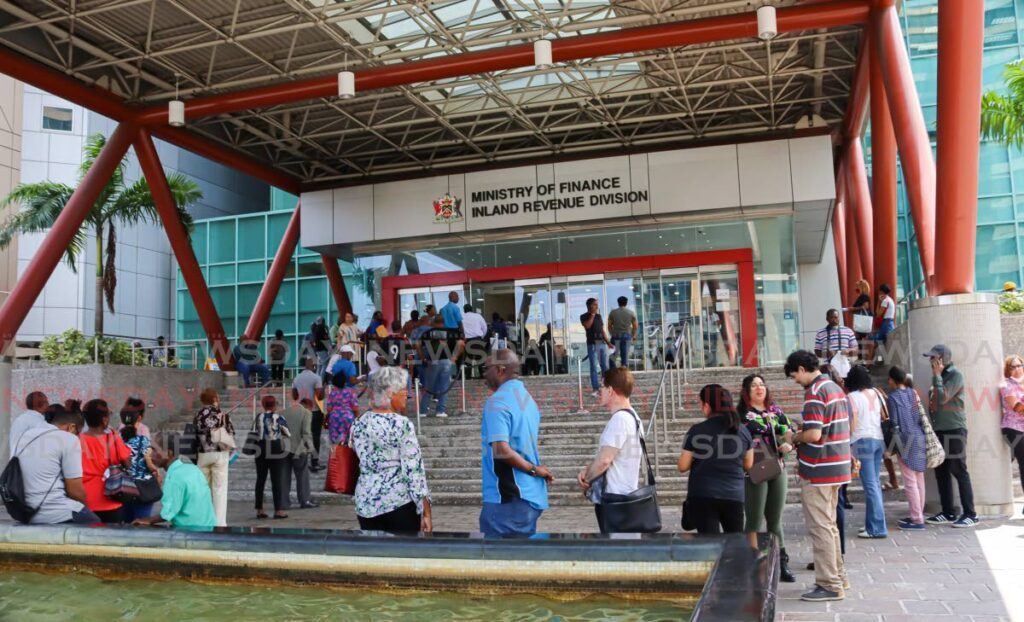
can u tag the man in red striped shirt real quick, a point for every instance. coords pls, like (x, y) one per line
(823, 456)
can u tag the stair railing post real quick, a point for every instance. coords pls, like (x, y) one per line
(463, 369)
(416, 388)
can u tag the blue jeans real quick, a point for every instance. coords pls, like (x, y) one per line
(621, 342)
(245, 370)
(597, 354)
(437, 379)
(511, 518)
(132, 511)
(869, 452)
(886, 327)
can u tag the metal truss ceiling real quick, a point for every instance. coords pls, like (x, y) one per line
(142, 49)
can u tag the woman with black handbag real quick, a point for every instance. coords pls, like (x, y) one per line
(269, 436)
(716, 453)
(615, 471)
(767, 483)
(143, 468)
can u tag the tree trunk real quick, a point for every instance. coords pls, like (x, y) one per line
(98, 326)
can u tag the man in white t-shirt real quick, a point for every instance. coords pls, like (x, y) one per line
(474, 328)
(887, 311)
(619, 452)
(50, 457)
(36, 403)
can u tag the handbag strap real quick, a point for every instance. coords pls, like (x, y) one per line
(885, 407)
(643, 446)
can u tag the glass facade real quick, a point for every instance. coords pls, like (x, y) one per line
(235, 254)
(998, 253)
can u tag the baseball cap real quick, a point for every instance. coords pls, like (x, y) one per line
(939, 350)
(348, 349)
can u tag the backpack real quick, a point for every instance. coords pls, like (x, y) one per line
(12, 487)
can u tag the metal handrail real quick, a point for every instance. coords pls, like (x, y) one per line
(917, 292)
(253, 392)
(657, 402)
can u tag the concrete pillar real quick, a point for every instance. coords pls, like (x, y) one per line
(6, 412)
(969, 325)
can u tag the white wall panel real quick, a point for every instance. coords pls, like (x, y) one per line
(812, 170)
(692, 180)
(406, 208)
(316, 220)
(765, 177)
(351, 214)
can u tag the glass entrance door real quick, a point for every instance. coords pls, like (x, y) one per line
(681, 317)
(410, 300)
(720, 314)
(535, 325)
(580, 289)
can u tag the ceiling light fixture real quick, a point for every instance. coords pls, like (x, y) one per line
(176, 108)
(542, 58)
(346, 84)
(767, 27)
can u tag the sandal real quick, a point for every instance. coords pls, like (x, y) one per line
(260, 514)
(280, 516)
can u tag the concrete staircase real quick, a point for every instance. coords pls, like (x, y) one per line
(568, 438)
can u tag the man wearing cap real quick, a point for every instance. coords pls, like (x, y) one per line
(949, 420)
(308, 386)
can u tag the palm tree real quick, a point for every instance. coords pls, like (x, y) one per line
(1002, 115)
(120, 204)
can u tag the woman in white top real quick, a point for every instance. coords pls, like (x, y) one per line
(867, 405)
(887, 312)
(618, 455)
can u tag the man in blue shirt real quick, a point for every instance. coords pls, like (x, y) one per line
(451, 312)
(344, 373)
(515, 484)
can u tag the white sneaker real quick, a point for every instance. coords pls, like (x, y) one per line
(441, 415)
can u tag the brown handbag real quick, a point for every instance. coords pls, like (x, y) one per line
(768, 464)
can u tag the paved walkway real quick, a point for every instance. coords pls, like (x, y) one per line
(941, 574)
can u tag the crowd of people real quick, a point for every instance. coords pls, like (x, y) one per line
(78, 468)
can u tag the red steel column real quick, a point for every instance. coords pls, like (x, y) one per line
(853, 264)
(51, 251)
(839, 231)
(862, 216)
(911, 133)
(883, 183)
(961, 40)
(149, 161)
(337, 282)
(268, 293)
(748, 315)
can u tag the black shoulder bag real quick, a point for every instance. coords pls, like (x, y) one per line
(12, 486)
(635, 512)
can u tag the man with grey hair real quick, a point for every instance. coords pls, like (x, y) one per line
(515, 483)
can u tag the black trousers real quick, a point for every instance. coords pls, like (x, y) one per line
(402, 520)
(715, 515)
(277, 468)
(111, 517)
(955, 466)
(1016, 440)
(317, 425)
(841, 518)
(277, 372)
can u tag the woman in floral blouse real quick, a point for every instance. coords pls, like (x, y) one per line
(769, 427)
(142, 466)
(342, 408)
(272, 459)
(214, 457)
(391, 494)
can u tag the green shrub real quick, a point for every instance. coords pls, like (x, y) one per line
(1011, 302)
(73, 348)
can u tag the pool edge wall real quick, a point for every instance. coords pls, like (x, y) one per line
(734, 579)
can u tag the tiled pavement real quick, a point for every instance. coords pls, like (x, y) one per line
(940, 574)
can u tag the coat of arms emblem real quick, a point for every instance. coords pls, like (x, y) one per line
(448, 209)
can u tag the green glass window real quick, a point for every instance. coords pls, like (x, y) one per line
(251, 238)
(186, 310)
(311, 266)
(994, 64)
(247, 295)
(276, 226)
(222, 275)
(199, 242)
(922, 25)
(994, 170)
(285, 301)
(253, 271)
(313, 295)
(926, 69)
(995, 210)
(996, 257)
(224, 303)
(1000, 23)
(222, 241)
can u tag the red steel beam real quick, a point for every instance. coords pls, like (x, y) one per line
(625, 41)
(839, 231)
(961, 40)
(911, 133)
(51, 251)
(853, 252)
(149, 161)
(883, 184)
(856, 109)
(861, 204)
(268, 293)
(337, 282)
(109, 105)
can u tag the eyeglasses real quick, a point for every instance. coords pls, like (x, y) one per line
(1017, 366)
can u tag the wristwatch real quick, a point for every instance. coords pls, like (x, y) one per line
(533, 471)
